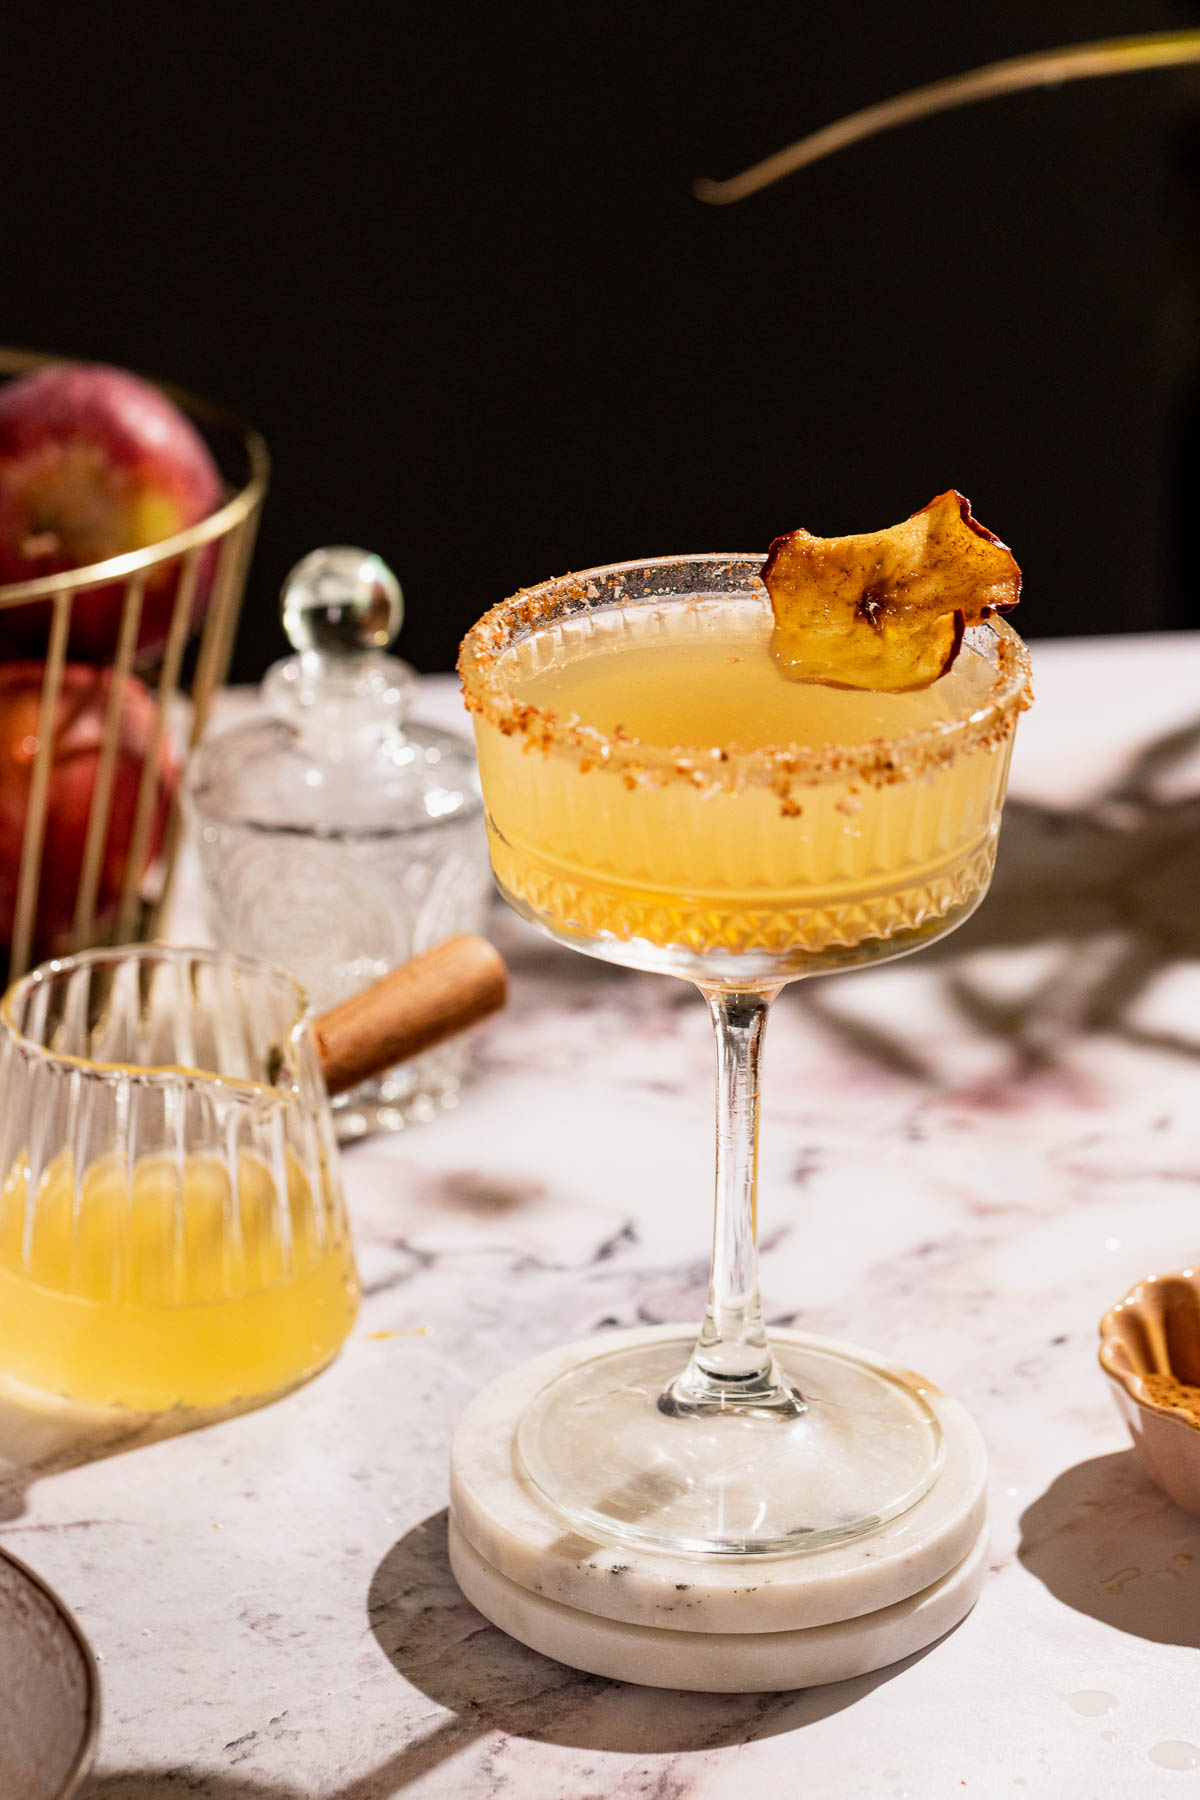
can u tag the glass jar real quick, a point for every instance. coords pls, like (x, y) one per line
(336, 837)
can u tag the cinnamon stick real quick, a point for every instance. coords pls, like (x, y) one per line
(410, 1009)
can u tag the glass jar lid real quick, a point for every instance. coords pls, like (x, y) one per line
(332, 750)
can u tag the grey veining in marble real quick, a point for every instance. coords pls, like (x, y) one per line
(967, 1156)
(724, 1662)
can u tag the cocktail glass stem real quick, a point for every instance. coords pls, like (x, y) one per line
(732, 1367)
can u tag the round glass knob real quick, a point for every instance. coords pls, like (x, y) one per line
(341, 600)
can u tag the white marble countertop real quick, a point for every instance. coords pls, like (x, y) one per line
(966, 1157)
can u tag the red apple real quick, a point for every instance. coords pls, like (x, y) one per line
(78, 736)
(94, 463)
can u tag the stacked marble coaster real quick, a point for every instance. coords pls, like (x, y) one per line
(714, 1623)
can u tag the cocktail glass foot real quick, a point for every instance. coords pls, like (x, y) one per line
(591, 1583)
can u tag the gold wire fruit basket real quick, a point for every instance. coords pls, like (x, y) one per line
(117, 896)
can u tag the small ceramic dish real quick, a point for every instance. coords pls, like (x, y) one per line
(1150, 1351)
(49, 1691)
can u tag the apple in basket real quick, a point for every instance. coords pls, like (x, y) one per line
(93, 463)
(78, 737)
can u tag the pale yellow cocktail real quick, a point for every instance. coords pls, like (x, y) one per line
(653, 779)
(162, 1286)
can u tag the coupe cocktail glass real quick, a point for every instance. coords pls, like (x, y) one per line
(659, 795)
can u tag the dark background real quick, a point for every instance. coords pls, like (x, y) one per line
(448, 261)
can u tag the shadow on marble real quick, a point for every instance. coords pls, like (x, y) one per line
(41, 1436)
(1109, 887)
(490, 1683)
(171, 1784)
(1105, 1541)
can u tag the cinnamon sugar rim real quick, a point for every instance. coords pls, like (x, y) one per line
(878, 762)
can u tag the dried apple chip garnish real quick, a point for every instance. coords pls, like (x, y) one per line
(886, 609)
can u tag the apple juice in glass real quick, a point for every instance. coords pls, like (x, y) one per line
(170, 1235)
(662, 793)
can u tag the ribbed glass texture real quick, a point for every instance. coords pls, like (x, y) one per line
(734, 880)
(169, 1235)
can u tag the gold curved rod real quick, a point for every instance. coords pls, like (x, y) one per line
(1044, 68)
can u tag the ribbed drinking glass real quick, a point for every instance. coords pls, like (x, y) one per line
(172, 1228)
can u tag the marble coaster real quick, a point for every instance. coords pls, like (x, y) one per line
(716, 1662)
(713, 1623)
